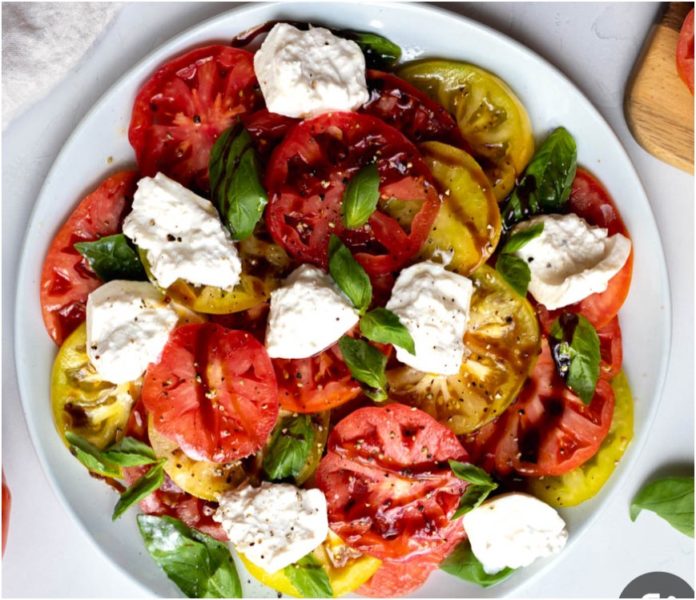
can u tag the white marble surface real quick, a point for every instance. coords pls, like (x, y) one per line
(596, 46)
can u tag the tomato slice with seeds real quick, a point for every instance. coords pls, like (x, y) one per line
(66, 277)
(308, 173)
(183, 108)
(213, 392)
(389, 489)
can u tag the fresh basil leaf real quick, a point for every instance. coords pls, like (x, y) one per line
(235, 182)
(521, 238)
(374, 394)
(92, 457)
(199, 565)
(462, 563)
(289, 448)
(112, 257)
(129, 452)
(142, 488)
(547, 180)
(575, 349)
(309, 578)
(360, 197)
(480, 486)
(349, 275)
(366, 363)
(380, 53)
(383, 326)
(515, 272)
(672, 498)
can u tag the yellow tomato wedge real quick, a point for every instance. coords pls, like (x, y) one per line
(344, 579)
(491, 118)
(585, 482)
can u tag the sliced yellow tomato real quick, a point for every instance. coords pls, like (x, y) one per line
(585, 482)
(491, 118)
(346, 572)
(501, 347)
(468, 223)
(82, 402)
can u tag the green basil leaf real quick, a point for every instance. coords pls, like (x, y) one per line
(383, 326)
(199, 565)
(380, 53)
(142, 488)
(520, 239)
(376, 395)
(112, 257)
(349, 275)
(289, 448)
(577, 360)
(92, 457)
(547, 180)
(130, 452)
(480, 486)
(309, 578)
(360, 197)
(672, 498)
(462, 563)
(366, 363)
(515, 272)
(235, 181)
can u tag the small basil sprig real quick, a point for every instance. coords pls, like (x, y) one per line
(671, 498)
(480, 486)
(199, 565)
(367, 365)
(235, 182)
(360, 197)
(142, 488)
(112, 257)
(462, 563)
(349, 275)
(289, 448)
(380, 53)
(309, 578)
(514, 269)
(575, 350)
(547, 180)
(383, 326)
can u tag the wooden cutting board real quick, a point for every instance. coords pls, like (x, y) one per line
(659, 107)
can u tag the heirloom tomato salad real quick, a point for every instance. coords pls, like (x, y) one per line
(348, 319)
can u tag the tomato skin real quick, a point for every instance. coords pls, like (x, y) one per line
(390, 492)
(307, 175)
(183, 108)
(66, 277)
(213, 392)
(685, 51)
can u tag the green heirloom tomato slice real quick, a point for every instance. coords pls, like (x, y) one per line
(585, 481)
(468, 223)
(502, 343)
(491, 118)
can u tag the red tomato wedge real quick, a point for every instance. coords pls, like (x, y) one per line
(66, 277)
(685, 51)
(308, 173)
(388, 486)
(183, 108)
(547, 430)
(213, 392)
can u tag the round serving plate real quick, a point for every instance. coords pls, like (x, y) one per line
(99, 146)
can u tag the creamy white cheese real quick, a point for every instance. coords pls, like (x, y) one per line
(275, 524)
(433, 304)
(305, 73)
(128, 324)
(513, 530)
(308, 314)
(570, 259)
(182, 235)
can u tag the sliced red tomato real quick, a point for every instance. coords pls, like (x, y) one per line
(213, 392)
(308, 173)
(685, 51)
(611, 349)
(6, 504)
(267, 129)
(389, 489)
(183, 108)
(66, 277)
(547, 430)
(411, 111)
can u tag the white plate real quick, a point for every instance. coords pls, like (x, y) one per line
(421, 31)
